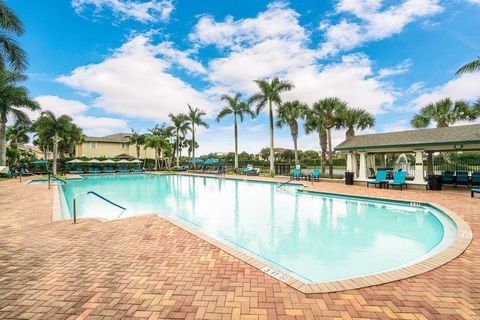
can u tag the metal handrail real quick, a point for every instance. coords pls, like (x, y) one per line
(285, 183)
(95, 194)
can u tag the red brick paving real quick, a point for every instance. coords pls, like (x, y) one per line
(146, 268)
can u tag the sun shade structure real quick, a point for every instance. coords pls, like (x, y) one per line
(123, 161)
(93, 161)
(196, 160)
(41, 161)
(108, 161)
(211, 161)
(136, 161)
(456, 138)
(75, 161)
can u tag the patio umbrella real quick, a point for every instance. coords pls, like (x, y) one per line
(41, 161)
(123, 161)
(108, 161)
(93, 161)
(75, 161)
(136, 161)
(196, 160)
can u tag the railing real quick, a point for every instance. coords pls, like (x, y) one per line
(95, 194)
(285, 183)
(455, 167)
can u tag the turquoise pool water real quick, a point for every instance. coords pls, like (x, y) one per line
(315, 237)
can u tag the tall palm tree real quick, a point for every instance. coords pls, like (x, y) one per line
(158, 144)
(331, 110)
(194, 119)
(315, 123)
(137, 139)
(180, 126)
(237, 108)
(470, 67)
(55, 129)
(72, 136)
(11, 54)
(13, 99)
(444, 113)
(17, 134)
(270, 94)
(287, 114)
(355, 119)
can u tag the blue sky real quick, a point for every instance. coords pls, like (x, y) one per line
(119, 64)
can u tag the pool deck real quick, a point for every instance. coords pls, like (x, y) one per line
(148, 268)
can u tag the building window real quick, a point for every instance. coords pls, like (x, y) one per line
(124, 145)
(93, 145)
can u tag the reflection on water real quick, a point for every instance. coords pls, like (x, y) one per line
(320, 238)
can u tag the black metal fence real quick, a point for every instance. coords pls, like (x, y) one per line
(455, 167)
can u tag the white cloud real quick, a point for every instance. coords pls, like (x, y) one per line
(136, 83)
(143, 11)
(372, 22)
(400, 68)
(465, 87)
(75, 109)
(474, 1)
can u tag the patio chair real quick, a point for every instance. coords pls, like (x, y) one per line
(91, 170)
(399, 180)
(315, 175)
(447, 177)
(475, 178)
(296, 174)
(123, 170)
(77, 170)
(136, 169)
(253, 172)
(473, 191)
(380, 179)
(462, 178)
(108, 170)
(96, 170)
(372, 173)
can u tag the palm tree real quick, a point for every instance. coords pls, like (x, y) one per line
(331, 110)
(355, 119)
(236, 107)
(189, 145)
(53, 129)
(10, 52)
(470, 67)
(158, 144)
(194, 118)
(17, 134)
(444, 113)
(270, 94)
(314, 123)
(180, 126)
(72, 136)
(137, 139)
(13, 99)
(287, 114)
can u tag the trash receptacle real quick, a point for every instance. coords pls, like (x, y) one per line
(434, 182)
(349, 178)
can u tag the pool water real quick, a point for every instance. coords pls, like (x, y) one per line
(314, 237)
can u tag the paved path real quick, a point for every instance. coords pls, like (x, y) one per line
(146, 268)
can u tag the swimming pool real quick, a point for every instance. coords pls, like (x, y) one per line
(312, 237)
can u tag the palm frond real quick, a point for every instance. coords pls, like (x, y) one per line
(470, 67)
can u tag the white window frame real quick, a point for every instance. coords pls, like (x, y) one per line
(93, 145)
(124, 145)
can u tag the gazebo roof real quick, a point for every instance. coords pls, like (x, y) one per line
(437, 139)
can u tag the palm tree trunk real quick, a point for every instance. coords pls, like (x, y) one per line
(138, 150)
(178, 151)
(272, 150)
(330, 160)
(3, 141)
(193, 145)
(156, 159)
(236, 140)
(323, 145)
(294, 131)
(350, 133)
(55, 150)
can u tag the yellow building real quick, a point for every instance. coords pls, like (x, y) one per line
(112, 146)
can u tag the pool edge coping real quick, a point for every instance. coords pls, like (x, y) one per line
(464, 237)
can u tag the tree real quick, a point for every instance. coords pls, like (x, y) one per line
(194, 118)
(237, 108)
(287, 114)
(270, 94)
(73, 135)
(189, 145)
(180, 126)
(355, 119)
(470, 67)
(53, 129)
(11, 54)
(13, 99)
(159, 144)
(17, 134)
(444, 113)
(137, 139)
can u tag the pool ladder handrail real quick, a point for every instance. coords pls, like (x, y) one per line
(285, 183)
(95, 194)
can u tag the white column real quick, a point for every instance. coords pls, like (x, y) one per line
(354, 165)
(350, 162)
(362, 172)
(419, 178)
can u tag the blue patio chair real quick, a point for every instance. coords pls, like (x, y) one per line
(399, 180)
(296, 174)
(77, 170)
(462, 178)
(123, 169)
(91, 170)
(380, 179)
(473, 191)
(476, 178)
(315, 176)
(447, 177)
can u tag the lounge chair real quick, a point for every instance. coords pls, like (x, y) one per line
(123, 170)
(108, 170)
(447, 177)
(296, 174)
(97, 170)
(253, 172)
(136, 169)
(476, 178)
(462, 178)
(25, 172)
(77, 171)
(315, 175)
(399, 180)
(91, 170)
(380, 179)
(473, 191)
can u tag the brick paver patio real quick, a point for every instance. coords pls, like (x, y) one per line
(147, 268)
